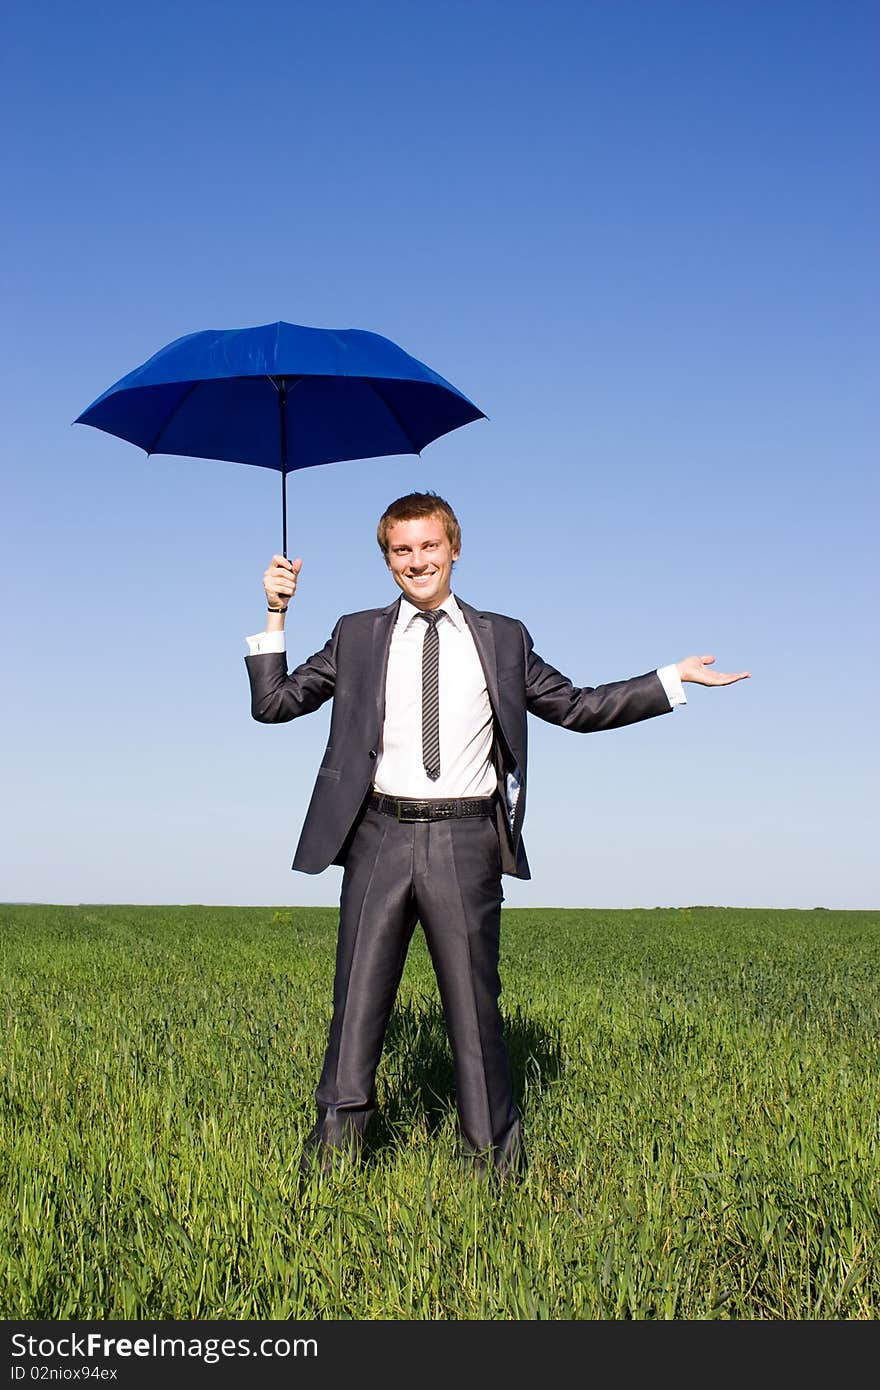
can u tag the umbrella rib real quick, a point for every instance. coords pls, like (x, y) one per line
(391, 411)
(165, 423)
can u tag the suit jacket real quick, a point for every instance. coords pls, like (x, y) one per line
(351, 669)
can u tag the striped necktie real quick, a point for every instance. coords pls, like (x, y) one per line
(431, 695)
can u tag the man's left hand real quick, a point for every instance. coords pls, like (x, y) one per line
(696, 669)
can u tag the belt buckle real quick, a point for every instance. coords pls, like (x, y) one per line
(408, 819)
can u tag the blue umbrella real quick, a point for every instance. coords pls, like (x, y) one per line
(281, 396)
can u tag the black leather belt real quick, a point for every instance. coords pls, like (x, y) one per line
(406, 809)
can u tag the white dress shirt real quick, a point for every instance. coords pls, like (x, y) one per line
(466, 767)
(465, 712)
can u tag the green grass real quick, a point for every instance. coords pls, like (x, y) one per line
(701, 1099)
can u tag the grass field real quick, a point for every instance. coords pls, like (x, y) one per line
(701, 1100)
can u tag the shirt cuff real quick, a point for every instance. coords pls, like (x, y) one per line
(264, 642)
(671, 682)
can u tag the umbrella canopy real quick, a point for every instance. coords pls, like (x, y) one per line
(281, 396)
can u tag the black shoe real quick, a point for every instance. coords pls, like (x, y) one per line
(326, 1159)
(505, 1162)
(500, 1168)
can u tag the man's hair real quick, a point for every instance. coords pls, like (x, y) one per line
(419, 506)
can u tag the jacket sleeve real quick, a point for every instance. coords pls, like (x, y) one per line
(278, 695)
(588, 709)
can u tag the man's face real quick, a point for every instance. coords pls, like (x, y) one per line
(420, 560)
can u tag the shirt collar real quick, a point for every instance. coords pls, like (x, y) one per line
(408, 611)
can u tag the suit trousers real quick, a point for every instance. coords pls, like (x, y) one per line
(447, 876)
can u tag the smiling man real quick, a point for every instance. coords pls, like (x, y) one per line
(421, 795)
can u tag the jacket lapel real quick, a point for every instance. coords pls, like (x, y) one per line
(484, 641)
(383, 627)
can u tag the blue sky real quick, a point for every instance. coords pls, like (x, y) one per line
(640, 234)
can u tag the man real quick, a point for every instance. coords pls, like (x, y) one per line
(421, 795)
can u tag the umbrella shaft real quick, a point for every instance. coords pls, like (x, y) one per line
(282, 406)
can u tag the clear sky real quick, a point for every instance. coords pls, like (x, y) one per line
(641, 235)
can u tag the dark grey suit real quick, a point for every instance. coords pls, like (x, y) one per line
(446, 875)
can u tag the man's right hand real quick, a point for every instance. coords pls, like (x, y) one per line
(279, 581)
